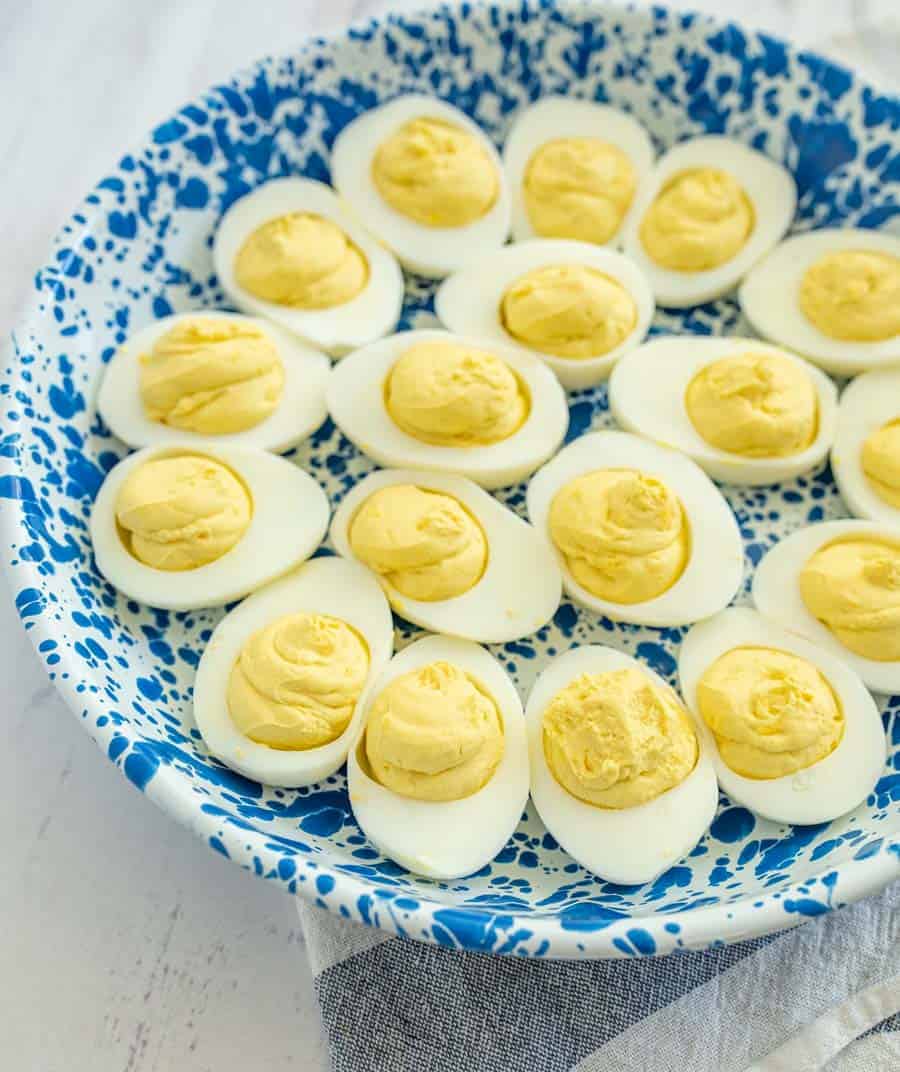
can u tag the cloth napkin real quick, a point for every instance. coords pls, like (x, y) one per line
(824, 996)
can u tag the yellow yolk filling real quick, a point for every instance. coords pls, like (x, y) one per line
(425, 544)
(578, 188)
(568, 311)
(881, 462)
(756, 405)
(436, 173)
(622, 533)
(434, 734)
(182, 511)
(771, 713)
(455, 396)
(211, 376)
(700, 219)
(853, 295)
(616, 740)
(297, 680)
(303, 261)
(853, 587)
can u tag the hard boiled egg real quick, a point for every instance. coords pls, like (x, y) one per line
(500, 605)
(648, 393)
(817, 793)
(303, 280)
(298, 410)
(712, 565)
(278, 520)
(562, 292)
(451, 204)
(862, 458)
(631, 844)
(778, 595)
(334, 587)
(710, 209)
(445, 839)
(574, 167)
(848, 279)
(464, 399)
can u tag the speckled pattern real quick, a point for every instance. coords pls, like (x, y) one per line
(140, 248)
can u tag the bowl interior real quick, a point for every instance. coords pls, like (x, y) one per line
(139, 248)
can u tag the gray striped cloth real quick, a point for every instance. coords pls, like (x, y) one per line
(825, 996)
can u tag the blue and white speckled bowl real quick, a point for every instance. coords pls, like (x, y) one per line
(139, 248)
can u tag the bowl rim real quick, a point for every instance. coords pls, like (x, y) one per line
(599, 935)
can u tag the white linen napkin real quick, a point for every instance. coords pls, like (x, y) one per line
(793, 1002)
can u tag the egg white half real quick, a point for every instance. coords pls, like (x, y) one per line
(469, 301)
(627, 845)
(331, 586)
(770, 188)
(372, 313)
(290, 516)
(429, 251)
(520, 588)
(867, 403)
(446, 839)
(300, 411)
(356, 402)
(769, 298)
(647, 395)
(551, 118)
(715, 567)
(776, 593)
(827, 789)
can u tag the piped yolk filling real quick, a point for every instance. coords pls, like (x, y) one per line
(182, 511)
(433, 734)
(296, 682)
(455, 396)
(425, 544)
(617, 740)
(772, 713)
(622, 533)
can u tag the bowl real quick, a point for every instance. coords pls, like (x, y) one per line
(138, 248)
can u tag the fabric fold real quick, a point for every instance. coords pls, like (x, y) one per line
(795, 1001)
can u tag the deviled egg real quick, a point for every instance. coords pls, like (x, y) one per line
(436, 401)
(711, 208)
(450, 558)
(832, 295)
(281, 684)
(574, 167)
(290, 252)
(620, 775)
(576, 306)
(191, 525)
(865, 458)
(746, 412)
(427, 181)
(234, 379)
(794, 734)
(438, 778)
(640, 532)
(838, 584)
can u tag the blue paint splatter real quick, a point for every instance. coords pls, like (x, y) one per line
(733, 824)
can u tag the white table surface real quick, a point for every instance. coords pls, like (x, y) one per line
(134, 949)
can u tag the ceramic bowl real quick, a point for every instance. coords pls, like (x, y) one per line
(138, 248)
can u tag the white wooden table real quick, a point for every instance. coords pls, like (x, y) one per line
(124, 945)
